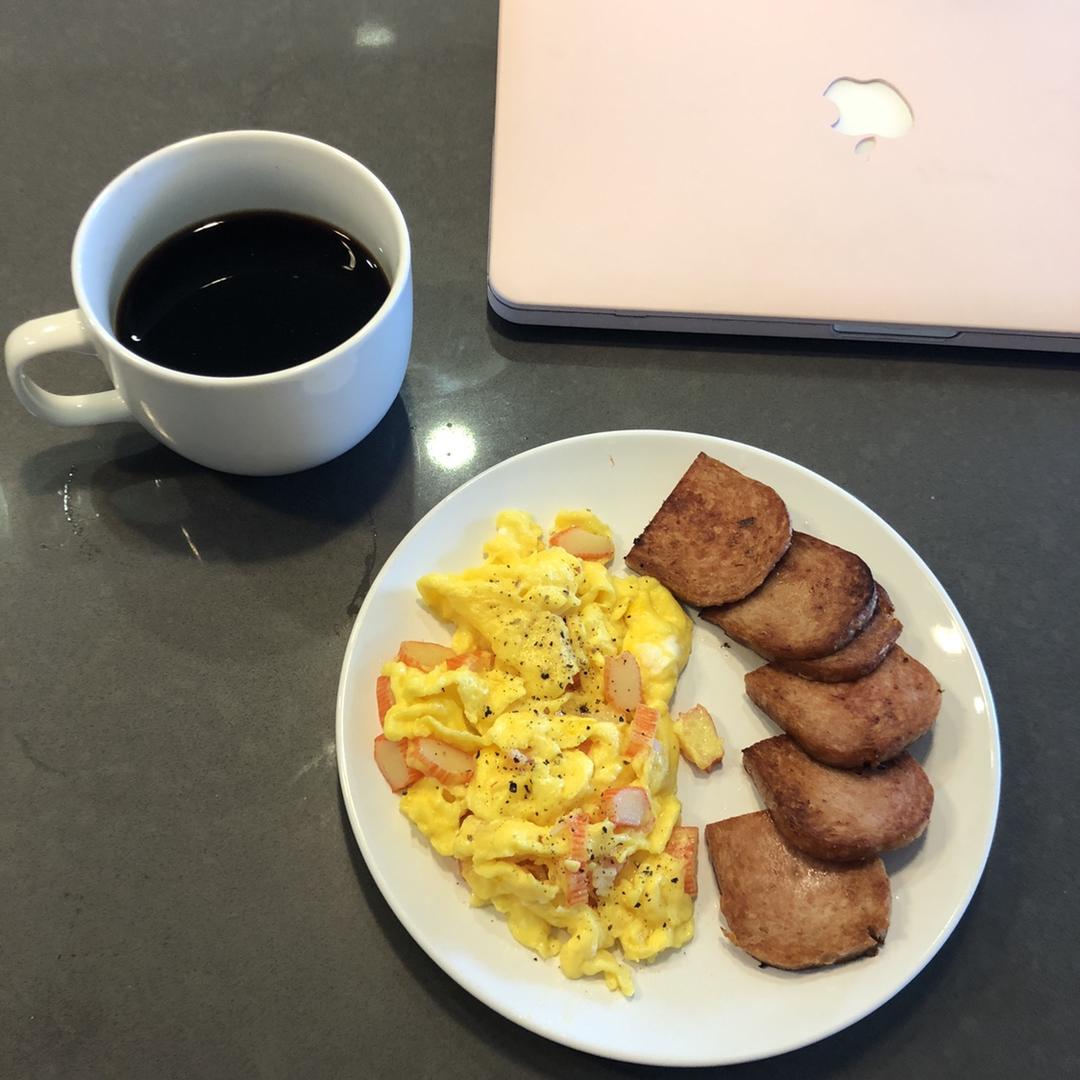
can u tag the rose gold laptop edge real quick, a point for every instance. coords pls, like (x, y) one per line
(687, 173)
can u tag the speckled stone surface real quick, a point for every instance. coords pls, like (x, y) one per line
(180, 893)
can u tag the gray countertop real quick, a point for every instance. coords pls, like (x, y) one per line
(180, 892)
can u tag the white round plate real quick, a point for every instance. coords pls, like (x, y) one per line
(708, 1004)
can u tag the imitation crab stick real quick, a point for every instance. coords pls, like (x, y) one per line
(439, 760)
(479, 660)
(627, 807)
(578, 827)
(684, 846)
(390, 758)
(424, 655)
(583, 544)
(384, 696)
(604, 872)
(577, 887)
(642, 729)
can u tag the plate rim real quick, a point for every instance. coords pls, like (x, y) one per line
(419, 936)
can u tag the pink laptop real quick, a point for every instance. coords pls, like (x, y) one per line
(884, 170)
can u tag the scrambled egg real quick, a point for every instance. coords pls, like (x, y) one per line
(532, 829)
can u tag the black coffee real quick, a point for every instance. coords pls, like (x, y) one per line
(248, 293)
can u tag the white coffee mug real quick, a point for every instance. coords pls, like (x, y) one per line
(279, 422)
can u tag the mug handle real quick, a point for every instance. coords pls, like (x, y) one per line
(54, 333)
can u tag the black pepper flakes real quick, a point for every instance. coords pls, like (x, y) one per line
(513, 787)
(674, 881)
(638, 904)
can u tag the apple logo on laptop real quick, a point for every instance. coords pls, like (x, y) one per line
(868, 110)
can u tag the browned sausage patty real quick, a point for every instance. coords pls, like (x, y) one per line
(851, 724)
(715, 537)
(815, 600)
(842, 815)
(790, 910)
(861, 655)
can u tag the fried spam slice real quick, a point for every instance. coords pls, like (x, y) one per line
(815, 600)
(861, 655)
(840, 815)
(715, 537)
(851, 724)
(790, 910)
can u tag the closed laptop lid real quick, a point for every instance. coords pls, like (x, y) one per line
(682, 158)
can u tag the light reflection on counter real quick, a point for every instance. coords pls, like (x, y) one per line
(190, 543)
(373, 35)
(450, 446)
